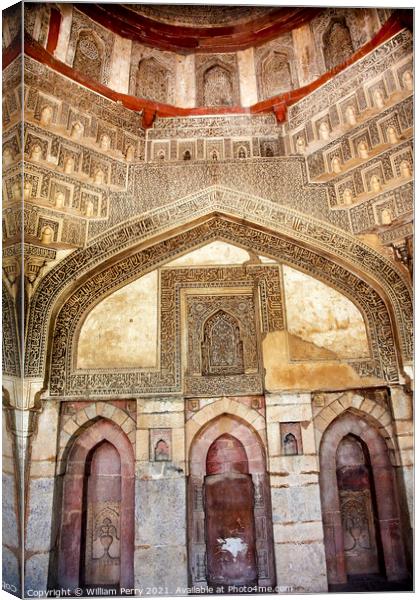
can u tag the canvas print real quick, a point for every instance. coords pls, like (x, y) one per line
(207, 299)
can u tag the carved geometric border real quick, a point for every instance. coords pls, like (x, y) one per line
(304, 231)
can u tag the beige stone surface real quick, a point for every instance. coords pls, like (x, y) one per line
(289, 412)
(185, 81)
(122, 330)
(402, 403)
(157, 420)
(308, 438)
(296, 464)
(159, 405)
(142, 444)
(322, 316)
(281, 374)
(305, 51)
(120, 65)
(66, 10)
(299, 532)
(42, 469)
(301, 567)
(215, 253)
(287, 398)
(247, 77)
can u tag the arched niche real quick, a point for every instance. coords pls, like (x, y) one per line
(217, 86)
(276, 73)
(228, 453)
(222, 347)
(96, 537)
(355, 445)
(89, 55)
(152, 80)
(217, 83)
(337, 43)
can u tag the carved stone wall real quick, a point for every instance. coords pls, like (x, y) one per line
(338, 45)
(10, 339)
(11, 24)
(222, 335)
(89, 55)
(345, 28)
(37, 21)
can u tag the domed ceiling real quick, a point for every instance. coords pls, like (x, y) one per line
(193, 15)
(196, 28)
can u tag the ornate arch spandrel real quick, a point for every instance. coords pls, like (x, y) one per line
(320, 243)
(280, 56)
(65, 381)
(337, 43)
(89, 54)
(152, 80)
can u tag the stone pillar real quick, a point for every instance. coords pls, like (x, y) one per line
(185, 92)
(39, 539)
(60, 52)
(402, 410)
(160, 555)
(119, 77)
(11, 534)
(295, 494)
(247, 77)
(305, 51)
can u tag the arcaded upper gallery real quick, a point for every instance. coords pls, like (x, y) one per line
(207, 333)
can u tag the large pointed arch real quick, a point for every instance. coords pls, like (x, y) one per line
(131, 250)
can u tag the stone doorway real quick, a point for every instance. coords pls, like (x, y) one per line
(230, 537)
(362, 543)
(96, 544)
(229, 515)
(101, 531)
(362, 537)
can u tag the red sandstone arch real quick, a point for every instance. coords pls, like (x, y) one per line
(386, 492)
(253, 450)
(71, 518)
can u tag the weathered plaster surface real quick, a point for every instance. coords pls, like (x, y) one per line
(121, 331)
(281, 373)
(215, 253)
(322, 316)
(247, 77)
(120, 65)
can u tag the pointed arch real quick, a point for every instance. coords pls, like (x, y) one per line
(130, 250)
(222, 347)
(384, 479)
(70, 546)
(248, 446)
(152, 80)
(337, 43)
(217, 83)
(89, 55)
